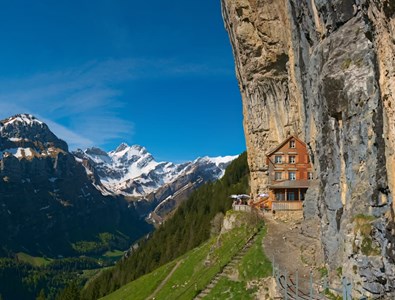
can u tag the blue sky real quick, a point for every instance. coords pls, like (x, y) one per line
(155, 73)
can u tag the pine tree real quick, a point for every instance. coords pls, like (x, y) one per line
(41, 295)
(71, 292)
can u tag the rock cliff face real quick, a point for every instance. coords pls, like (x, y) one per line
(325, 71)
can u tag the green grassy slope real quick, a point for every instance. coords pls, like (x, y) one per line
(254, 265)
(144, 286)
(33, 260)
(196, 269)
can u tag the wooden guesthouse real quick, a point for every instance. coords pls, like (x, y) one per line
(290, 173)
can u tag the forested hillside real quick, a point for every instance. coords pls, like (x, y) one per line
(188, 228)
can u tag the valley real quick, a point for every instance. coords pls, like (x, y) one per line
(64, 219)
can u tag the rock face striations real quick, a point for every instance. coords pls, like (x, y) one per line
(325, 71)
(47, 201)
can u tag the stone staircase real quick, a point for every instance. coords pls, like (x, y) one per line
(228, 268)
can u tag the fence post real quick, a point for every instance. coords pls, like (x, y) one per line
(311, 285)
(344, 288)
(286, 285)
(274, 271)
(326, 285)
(297, 284)
(349, 291)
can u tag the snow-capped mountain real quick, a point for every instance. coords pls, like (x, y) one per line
(47, 199)
(31, 155)
(133, 171)
(159, 187)
(24, 136)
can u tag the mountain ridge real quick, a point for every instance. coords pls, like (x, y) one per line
(117, 167)
(154, 188)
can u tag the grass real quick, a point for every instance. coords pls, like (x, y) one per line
(363, 225)
(194, 274)
(255, 264)
(339, 272)
(197, 269)
(143, 287)
(113, 253)
(332, 296)
(229, 289)
(33, 260)
(323, 272)
(346, 63)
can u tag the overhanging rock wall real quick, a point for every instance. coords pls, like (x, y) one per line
(325, 70)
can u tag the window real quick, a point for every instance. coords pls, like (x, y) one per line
(278, 159)
(291, 175)
(278, 175)
(291, 196)
(309, 175)
(292, 144)
(280, 196)
(292, 159)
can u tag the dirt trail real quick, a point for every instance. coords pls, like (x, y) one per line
(292, 251)
(152, 296)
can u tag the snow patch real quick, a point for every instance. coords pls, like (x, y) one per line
(23, 118)
(18, 152)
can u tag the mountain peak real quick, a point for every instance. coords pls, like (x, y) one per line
(26, 119)
(27, 128)
(139, 148)
(217, 160)
(124, 146)
(95, 151)
(121, 147)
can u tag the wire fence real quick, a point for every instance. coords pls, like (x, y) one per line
(291, 286)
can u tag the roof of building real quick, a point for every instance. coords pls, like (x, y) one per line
(274, 149)
(291, 184)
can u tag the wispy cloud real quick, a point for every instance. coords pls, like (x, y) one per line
(75, 140)
(82, 104)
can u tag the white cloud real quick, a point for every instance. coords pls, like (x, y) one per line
(74, 140)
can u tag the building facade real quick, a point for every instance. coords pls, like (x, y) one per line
(290, 172)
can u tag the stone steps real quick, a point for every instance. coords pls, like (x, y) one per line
(228, 268)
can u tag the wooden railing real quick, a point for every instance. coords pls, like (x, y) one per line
(241, 207)
(287, 205)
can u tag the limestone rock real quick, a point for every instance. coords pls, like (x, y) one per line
(325, 70)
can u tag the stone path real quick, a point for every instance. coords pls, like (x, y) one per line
(292, 251)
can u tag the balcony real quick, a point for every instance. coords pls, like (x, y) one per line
(287, 205)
